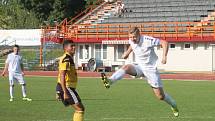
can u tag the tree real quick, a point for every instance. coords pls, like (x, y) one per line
(41, 8)
(33, 13)
(73, 7)
(54, 10)
(58, 12)
(13, 15)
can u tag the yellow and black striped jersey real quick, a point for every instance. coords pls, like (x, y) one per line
(67, 64)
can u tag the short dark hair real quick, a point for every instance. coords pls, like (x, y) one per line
(134, 30)
(17, 46)
(67, 42)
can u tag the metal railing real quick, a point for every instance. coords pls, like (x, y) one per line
(53, 33)
(176, 31)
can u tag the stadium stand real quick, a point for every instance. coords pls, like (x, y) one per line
(154, 11)
(5, 52)
(4, 44)
(171, 20)
(181, 22)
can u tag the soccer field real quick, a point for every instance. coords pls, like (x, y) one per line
(129, 100)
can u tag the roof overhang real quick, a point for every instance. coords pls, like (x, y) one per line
(115, 42)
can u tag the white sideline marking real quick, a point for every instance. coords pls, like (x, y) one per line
(180, 117)
(188, 80)
(133, 118)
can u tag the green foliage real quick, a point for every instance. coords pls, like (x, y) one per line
(54, 10)
(53, 53)
(28, 54)
(14, 15)
(42, 8)
(90, 2)
(57, 13)
(21, 14)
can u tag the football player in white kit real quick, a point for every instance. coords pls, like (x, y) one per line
(15, 69)
(143, 48)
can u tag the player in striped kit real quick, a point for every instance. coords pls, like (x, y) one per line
(67, 81)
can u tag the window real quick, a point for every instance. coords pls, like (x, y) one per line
(187, 45)
(127, 46)
(104, 51)
(86, 52)
(81, 52)
(195, 46)
(120, 51)
(207, 45)
(98, 51)
(172, 45)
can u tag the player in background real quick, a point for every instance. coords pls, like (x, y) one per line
(15, 69)
(67, 81)
(143, 48)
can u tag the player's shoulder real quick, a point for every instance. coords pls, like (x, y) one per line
(9, 55)
(145, 38)
(148, 39)
(65, 58)
(130, 42)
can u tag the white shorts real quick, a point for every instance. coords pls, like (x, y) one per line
(152, 76)
(16, 77)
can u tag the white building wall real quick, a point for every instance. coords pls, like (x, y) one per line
(22, 37)
(181, 59)
(196, 58)
(110, 53)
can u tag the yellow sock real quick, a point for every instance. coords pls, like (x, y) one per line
(78, 116)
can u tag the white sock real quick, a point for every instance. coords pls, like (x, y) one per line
(23, 91)
(11, 91)
(169, 100)
(117, 75)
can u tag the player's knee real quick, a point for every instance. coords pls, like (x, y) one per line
(83, 109)
(79, 107)
(126, 67)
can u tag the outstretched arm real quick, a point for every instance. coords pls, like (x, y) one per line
(127, 53)
(165, 47)
(5, 69)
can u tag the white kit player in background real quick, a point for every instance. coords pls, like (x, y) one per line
(15, 69)
(143, 48)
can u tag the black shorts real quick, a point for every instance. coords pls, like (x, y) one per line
(73, 95)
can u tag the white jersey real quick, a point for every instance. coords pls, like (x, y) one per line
(144, 52)
(14, 62)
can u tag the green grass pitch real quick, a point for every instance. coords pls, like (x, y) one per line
(129, 100)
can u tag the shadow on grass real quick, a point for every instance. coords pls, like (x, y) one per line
(95, 99)
(45, 100)
(52, 100)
